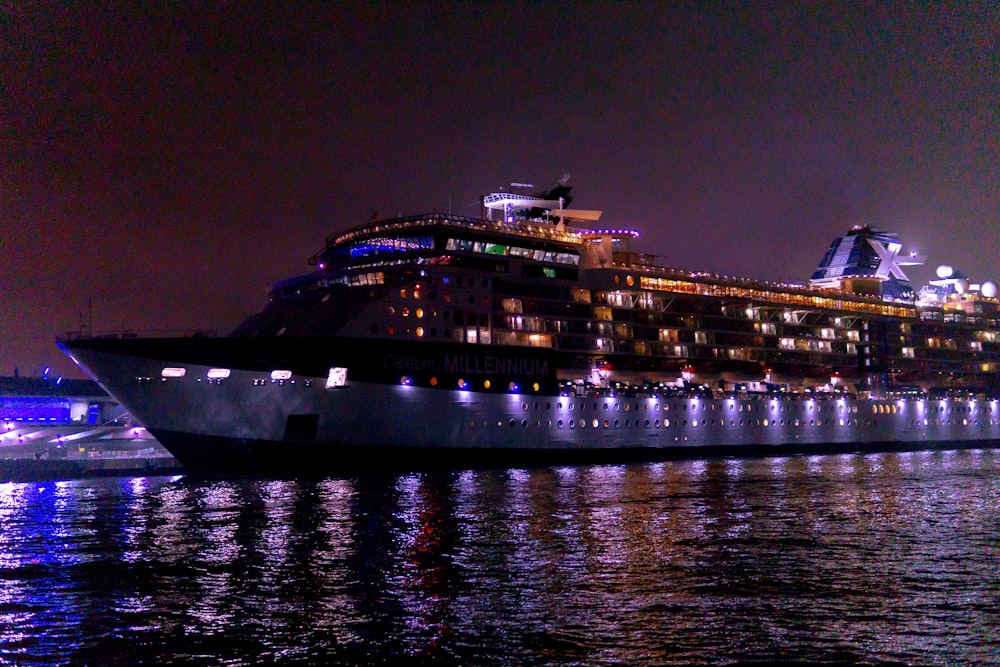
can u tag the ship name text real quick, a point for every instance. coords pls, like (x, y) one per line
(469, 364)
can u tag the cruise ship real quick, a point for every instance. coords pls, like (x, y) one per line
(533, 334)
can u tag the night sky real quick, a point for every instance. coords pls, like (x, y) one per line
(167, 163)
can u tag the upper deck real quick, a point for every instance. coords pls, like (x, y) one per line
(396, 228)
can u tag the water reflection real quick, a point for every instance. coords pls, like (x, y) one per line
(884, 557)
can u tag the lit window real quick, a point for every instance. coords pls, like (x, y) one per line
(173, 372)
(420, 312)
(217, 373)
(336, 378)
(281, 375)
(420, 331)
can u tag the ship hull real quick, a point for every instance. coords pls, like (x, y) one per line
(251, 422)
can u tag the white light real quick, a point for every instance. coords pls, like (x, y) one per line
(173, 372)
(217, 373)
(337, 378)
(281, 375)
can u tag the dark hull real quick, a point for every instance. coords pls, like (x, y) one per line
(214, 456)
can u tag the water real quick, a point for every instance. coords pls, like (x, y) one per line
(871, 559)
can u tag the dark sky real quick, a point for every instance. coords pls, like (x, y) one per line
(169, 161)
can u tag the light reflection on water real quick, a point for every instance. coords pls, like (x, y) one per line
(881, 558)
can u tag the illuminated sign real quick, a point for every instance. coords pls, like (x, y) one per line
(337, 378)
